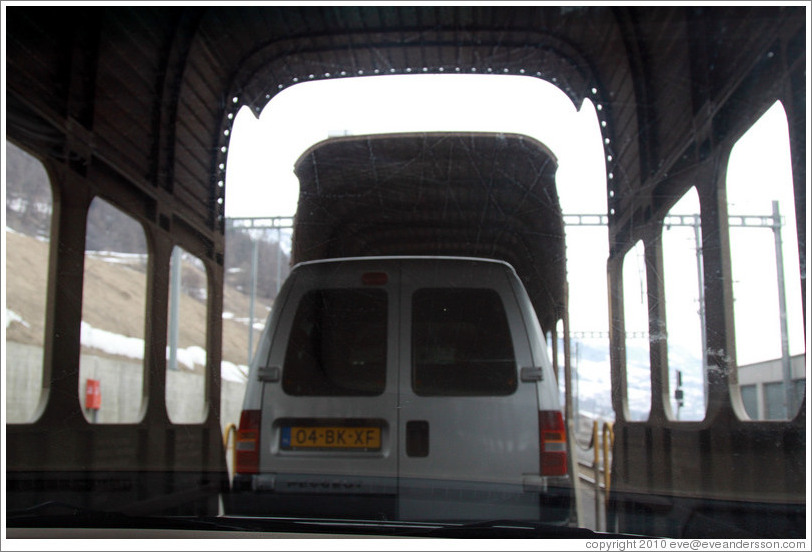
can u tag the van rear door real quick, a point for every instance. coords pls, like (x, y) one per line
(468, 424)
(329, 422)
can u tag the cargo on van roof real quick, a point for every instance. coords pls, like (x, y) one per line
(472, 194)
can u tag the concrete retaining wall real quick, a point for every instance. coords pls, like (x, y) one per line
(119, 379)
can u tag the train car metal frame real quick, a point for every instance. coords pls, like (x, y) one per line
(135, 105)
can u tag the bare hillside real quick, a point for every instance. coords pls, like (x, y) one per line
(114, 300)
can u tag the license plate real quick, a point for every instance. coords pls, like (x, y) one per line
(335, 437)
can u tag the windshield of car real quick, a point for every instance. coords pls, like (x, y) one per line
(406, 271)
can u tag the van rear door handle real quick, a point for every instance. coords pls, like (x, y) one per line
(532, 374)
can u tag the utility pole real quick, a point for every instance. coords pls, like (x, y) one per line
(278, 260)
(701, 290)
(174, 307)
(576, 366)
(254, 262)
(782, 312)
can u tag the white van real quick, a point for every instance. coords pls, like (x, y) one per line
(409, 388)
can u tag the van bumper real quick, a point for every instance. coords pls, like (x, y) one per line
(382, 498)
(294, 495)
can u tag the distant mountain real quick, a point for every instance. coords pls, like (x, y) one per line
(28, 194)
(592, 368)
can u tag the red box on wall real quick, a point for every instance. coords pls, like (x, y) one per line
(93, 394)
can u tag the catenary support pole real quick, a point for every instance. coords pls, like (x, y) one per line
(782, 313)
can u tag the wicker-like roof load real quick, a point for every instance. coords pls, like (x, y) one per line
(485, 195)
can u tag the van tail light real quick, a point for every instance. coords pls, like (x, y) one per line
(553, 443)
(247, 443)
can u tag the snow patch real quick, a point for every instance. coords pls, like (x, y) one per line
(115, 257)
(109, 342)
(12, 316)
(232, 372)
(21, 205)
(133, 347)
(190, 356)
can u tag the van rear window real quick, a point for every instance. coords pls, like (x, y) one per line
(461, 343)
(337, 345)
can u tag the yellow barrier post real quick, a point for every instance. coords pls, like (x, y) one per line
(608, 427)
(231, 429)
(597, 468)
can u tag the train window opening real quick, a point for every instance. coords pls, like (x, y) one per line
(685, 312)
(770, 347)
(186, 373)
(29, 207)
(111, 365)
(636, 324)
